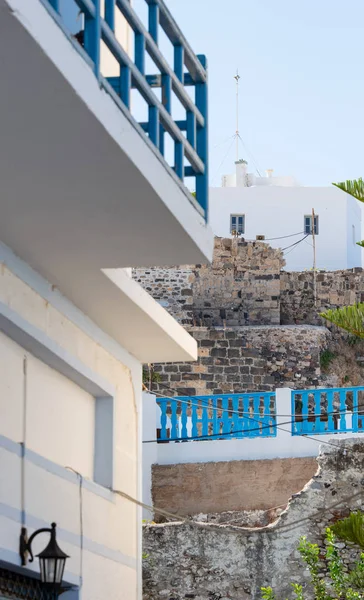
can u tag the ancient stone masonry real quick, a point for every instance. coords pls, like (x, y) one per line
(208, 561)
(249, 359)
(245, 285)
(224, 307)
(334, 289)
(241, 287)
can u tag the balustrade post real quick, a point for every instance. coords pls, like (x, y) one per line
(283, 409)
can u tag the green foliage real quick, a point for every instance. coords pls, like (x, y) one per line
(351, 529)
(339, 584)
(350, 318)
(326, 358)
(355, 188)
(150, 375)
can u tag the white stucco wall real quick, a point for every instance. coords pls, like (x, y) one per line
(283, 445)
(276, 211)
(60, 431)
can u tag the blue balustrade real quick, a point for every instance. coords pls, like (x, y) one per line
(225, 416)
(187, 70)
(328, 411)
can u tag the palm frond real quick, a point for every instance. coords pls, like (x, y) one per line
(354, 187)
(361, 244)
(349, 318)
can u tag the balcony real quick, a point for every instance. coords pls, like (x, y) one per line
(79, 174)
(86, 186)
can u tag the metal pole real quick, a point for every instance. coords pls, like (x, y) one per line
(237, 77)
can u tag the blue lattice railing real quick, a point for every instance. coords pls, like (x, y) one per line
(224, 416)
(189, 135)
(331, 410)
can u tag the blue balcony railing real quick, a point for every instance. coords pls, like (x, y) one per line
(331, 410)
(225, 416)
(189, 135)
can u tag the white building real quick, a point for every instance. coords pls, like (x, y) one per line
(279, 209)
(85, 194)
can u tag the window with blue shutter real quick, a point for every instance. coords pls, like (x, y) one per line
(307, 228)
(237, 224)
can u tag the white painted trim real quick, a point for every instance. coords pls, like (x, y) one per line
(52, 354)
(42, 287)
(55, 469)
(49, 352)
(37, 21)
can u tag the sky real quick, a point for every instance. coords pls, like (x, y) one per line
(301, 88)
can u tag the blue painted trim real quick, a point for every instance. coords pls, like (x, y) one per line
(153, 20)
(92, 36)
(54, 4)
(318, 421)
(110, 13)
(178, 61)
(202, 182)
(154, 125)
(99, 30)
(125, 85)
(191, 128)
(178, 159)
(67, 536)
(213, 417)
(139, 49)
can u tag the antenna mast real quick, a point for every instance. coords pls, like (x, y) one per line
(237, 77)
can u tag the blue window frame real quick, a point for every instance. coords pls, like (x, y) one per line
(237, 224)
(307, 226)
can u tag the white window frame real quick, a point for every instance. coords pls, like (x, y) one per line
(237, 228)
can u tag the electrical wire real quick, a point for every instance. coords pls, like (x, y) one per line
(234, 528)
(295, 243)
(80, 478)
(282, 237)
(250, 153)
(237, 412)
(233, 433)
(223, 160)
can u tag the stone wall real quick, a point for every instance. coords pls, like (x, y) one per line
(219, 562)
(245, 285)
(334, 289)
(194, 488)
(247, 359)
(241, 287)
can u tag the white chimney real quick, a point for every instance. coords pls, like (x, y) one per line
(241, 173)
(269, 172)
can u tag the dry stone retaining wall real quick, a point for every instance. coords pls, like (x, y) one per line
(334, 289)
(247, 359)
(205, 561)
(245, 285)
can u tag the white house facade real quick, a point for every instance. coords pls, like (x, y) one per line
(279, 209)
(86, 194)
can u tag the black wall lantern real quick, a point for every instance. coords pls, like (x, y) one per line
(51, 561)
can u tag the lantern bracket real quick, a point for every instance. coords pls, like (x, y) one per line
(25, 545)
